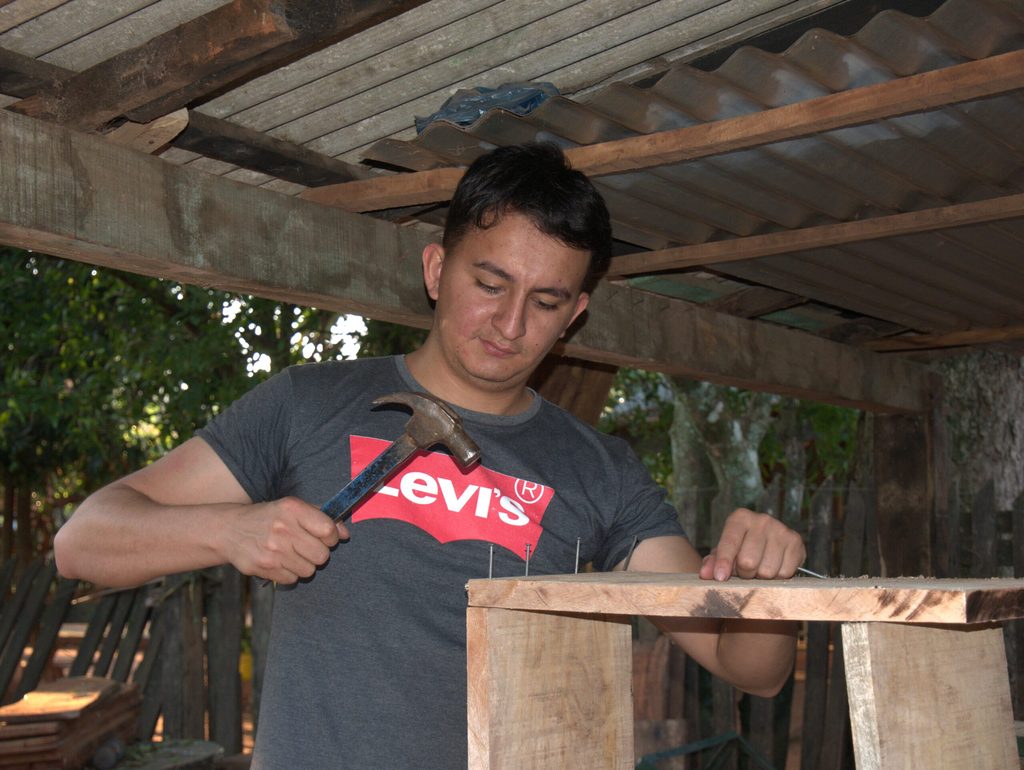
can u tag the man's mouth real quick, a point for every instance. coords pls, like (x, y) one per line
(497, 349)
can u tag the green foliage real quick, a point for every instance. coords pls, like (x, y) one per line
(103, 371)
(639, 409)
(829, 436)
(386, 339)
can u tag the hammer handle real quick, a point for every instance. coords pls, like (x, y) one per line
(371, 478)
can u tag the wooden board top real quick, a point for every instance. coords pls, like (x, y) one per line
(905, 600)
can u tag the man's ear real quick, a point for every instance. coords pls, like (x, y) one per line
(433, 260)
(581, 304)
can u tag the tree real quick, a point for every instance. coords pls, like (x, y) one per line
(105, 371)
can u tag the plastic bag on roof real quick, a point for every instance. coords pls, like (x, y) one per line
(468, 104)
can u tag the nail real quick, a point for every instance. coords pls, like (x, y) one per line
(490, 564)
(576, 571)
(527, 573)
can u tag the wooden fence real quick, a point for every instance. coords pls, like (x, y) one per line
(180, 639)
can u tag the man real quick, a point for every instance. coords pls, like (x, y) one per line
(367, 660)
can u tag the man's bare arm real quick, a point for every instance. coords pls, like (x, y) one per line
(754, 655)
(187, 511)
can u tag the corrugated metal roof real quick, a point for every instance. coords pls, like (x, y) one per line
(945, 280)
(621, 66)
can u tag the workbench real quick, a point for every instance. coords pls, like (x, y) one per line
(549, 663)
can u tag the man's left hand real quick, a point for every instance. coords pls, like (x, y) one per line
(754, 545)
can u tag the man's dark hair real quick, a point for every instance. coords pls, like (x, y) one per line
(534, 180)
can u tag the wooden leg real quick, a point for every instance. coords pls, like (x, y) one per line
(928, 696)
(548, 690)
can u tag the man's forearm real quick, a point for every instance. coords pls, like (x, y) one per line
(120, 537)
(757, 655)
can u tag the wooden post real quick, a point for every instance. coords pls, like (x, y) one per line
(223, 648)
(903, 493)
(929, 697)
(548, 690)
(181, 659)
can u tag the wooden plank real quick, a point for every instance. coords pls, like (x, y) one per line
(26, 622)
(380, 193)
(219, 48)
(223, 646)
(930, 90)
(23, 76)
(91, 201)
(755, 246)
(928, 697)
(819, 559)
(230, 36)
(133, 629)
(983, 532)
(11, 608)
(46, 635)
(261, 605)
(947, 340)
(232, 143)
(183, 696)
(528, 709)
(907, 600)
(94, 632)
(113, 637)
(150, 137)
(903, 494)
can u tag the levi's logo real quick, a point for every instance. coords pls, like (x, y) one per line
(433, 493)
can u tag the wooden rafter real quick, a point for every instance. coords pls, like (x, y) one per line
(916, 93)
(948, 340)
(191, 130)
(789, 241)
(231, 143)
(224, 47)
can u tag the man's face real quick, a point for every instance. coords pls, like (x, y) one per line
(504, 295)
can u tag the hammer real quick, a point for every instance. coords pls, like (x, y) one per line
(433, 422)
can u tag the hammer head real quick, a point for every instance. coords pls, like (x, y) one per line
(434, 422)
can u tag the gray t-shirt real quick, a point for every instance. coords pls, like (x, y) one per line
(367, 665)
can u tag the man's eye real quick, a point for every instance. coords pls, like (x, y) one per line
(546, 305)
(487, 288)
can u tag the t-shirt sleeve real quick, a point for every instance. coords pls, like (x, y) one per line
(252, 435)
(643, 512)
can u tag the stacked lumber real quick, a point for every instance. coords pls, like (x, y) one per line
(62, 723)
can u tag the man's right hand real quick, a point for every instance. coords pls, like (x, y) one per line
(187, 511)
(283, 541)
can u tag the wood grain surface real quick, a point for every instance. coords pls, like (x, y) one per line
(906, 600)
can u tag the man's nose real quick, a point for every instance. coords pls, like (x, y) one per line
(510, 319)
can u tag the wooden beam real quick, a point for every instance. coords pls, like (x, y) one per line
(389, 192)
(218, 49)
(629, 327)
(789, 241)
(241, 146)
(948, 340)
(22, 76)
(902, 96)
(906, 600)
(77, 196)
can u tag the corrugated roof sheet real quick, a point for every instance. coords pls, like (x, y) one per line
(943, 280)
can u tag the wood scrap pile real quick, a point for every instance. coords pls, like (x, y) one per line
(63, 723)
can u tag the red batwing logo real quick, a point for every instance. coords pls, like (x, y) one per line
(433, 493)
